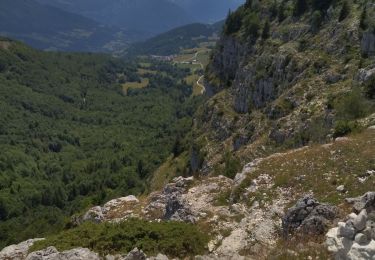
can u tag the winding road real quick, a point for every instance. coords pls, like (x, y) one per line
(194, 61)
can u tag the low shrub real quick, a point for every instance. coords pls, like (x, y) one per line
(175, 239)
(343, 128)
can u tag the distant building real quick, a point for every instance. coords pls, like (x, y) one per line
(163, 58)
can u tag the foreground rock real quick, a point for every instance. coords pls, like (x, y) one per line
(51, 253)
(309, 217)
(19, 251)
(355, 238)
(114, 210)
(169, 204)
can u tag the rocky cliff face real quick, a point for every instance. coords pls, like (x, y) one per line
(279, 92)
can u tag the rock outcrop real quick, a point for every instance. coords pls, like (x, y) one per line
(170, 204)
(114, 210)
(51, 253)
(368, 43)
(309, 217)
(19, 251)
(355, 238)
(135, 254)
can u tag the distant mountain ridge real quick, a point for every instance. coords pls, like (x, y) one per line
(101, 25)
(144, 15)
(208, 11)
(152, 16)
(50, 28)
(171, 42)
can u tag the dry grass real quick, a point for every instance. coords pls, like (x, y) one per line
(167, 171)
(320, 169)
(135, 85)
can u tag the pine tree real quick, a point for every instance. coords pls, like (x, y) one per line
(266, 30)
(345, 10)
(273, 10)
(248, 4)
(322, 5)
(363, 22)
(281, 11)
(300, 7)
(177, 147)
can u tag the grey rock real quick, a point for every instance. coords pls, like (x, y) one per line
(332, 78)
(366, 251)
(340, 188)
(19, 251)
(170, 204)
(43, 254)
(361, 239)
(51, 253)
(159, 257)
(95, 214)
(346, 230)
(352, 216)
(364, 75)
(227, 58)
(366, 201)
(369, 233)
(355, 239)
(360, 221)
(136, 254)
(368, 43)
(309, 216)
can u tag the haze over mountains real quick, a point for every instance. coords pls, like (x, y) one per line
(101, 25)
(152, 16)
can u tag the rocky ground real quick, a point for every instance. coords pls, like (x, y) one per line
(246, 216)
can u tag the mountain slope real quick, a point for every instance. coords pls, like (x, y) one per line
(171, 42)
(46, 27)
(285, 80)
(147, 16)
(208, 11)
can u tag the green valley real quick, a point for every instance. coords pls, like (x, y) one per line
(70, 138)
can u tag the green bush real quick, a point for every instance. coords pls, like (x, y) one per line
(352, 106)
(342, 128)
(252, 25)
(231, 165)
(316, 21)
(175, 239)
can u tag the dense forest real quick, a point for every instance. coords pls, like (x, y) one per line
(71, 138)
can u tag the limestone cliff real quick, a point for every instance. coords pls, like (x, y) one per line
(284, 86)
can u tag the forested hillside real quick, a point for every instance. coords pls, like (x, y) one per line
(173, 41)
(70, 137)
